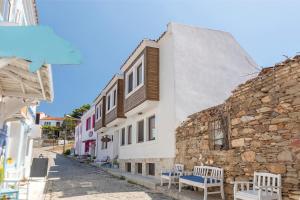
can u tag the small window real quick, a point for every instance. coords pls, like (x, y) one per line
(151, 169)
(130, 83)
(58, 124)
(97, 112)
(139, 168)
(218, 134)
(93, 121)
(100, 110)
(140, 131)
(123, 137)
(128, 167)
(129, 134)
(108, 103)
(139, 75)
(47, 123)
(114, 97)
(88, 124)
(151, 128)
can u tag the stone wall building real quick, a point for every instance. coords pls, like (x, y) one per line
(256, 129)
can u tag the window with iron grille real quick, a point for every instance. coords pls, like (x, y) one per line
(218, 134)
(139, 167)
(151, 169)
(128, 167)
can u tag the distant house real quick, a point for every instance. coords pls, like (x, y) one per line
(85, 138)
(109, 112)
(162, 82)
(45, 120)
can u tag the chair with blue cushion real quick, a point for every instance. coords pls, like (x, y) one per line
(204, 177)
(172, 175)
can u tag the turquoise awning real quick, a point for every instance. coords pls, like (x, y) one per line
(38, 44)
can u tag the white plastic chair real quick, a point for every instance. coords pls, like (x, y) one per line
(265, 186)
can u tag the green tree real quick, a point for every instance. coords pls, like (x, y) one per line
(78, 112)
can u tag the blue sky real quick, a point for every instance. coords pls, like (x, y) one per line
(106, 32)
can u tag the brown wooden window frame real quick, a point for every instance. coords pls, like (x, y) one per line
(216, 126)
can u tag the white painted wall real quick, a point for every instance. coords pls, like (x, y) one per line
(112, 147)
(81, 134)
(85, 133)
(19, 148)
(208, 65)
(78, 141)
(14, 140)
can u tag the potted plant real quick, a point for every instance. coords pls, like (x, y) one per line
(9, 161)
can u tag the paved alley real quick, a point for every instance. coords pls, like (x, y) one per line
(70, 180)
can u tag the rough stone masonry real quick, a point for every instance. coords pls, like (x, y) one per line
(263, 118)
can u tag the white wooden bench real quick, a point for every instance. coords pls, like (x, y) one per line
(172, 175)
(265, 186)
(204, 177)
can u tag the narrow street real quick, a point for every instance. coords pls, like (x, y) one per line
(69, 179)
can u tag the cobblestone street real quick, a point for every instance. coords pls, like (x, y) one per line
(70, 179)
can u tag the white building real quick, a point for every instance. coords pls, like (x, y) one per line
(164, 81)
(19, 12)
(23, 85)
(109, 113)
(85, 137)
(20, 117)
(51, 121)
(20, 135)
(45, 120)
